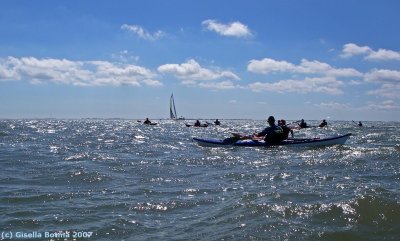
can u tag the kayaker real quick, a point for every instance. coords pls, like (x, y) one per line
(323, 123)
(197, 123)
(147, 121)
(303, 124)
(360, 124)
(217, 122)
(272, 134)
(285, 128)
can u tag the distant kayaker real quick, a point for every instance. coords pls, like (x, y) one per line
(360, 124)
(147, 121)
(285, 128)
(303, 124)
(323, 123)
(272, 134)
(197, 123)
(217, 122)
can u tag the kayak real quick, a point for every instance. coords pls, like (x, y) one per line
(307, 142)
(201, 125)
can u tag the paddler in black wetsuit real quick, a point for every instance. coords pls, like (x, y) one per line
(273, 134)
(285, 128)
(303, 124)
(147, 121)
(323, 123)
(197, 123)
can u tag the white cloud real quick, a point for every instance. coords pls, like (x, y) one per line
(79, 73)
(333, 106)
(112, 74)
(351, 49)
(327, 85)
(235, 29)
(267, 65)
(383, 76)
(324, 80)
(390, 91)
(43, 70)
(389, 80)
(387, 105)
(223, 85)
(316, 67)
(191, 71)
(152, 82)
(142, 33)
(7, 71)
(383, 54)
(125, 56)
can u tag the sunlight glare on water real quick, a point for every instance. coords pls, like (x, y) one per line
(124, 180)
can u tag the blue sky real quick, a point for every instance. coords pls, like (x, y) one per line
(292, 59)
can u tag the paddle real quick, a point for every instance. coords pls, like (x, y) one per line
(239, 136)
(295, 122)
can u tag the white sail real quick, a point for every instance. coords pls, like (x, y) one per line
(172, 110)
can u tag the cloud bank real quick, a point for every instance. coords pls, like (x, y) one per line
(305, 77)
(320, 77)
(326, 85)
(267, 65)
(78, 73)
(351, 49)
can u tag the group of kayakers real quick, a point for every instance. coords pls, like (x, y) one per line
(217, 122)
(197, 123)
(304, 124)
(276, 133)
(271, 134)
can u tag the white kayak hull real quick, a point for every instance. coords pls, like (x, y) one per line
(310, 142)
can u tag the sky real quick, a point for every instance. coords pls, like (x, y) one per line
(294, 59)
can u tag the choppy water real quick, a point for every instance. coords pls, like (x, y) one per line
(123, 180)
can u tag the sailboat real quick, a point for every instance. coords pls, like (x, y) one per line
(172, 109)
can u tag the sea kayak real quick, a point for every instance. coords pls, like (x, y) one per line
(201, 125)
(307, 142)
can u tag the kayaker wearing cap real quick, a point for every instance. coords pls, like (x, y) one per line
(285, 128)
(323, 123)
(272, 134)
(303, 124)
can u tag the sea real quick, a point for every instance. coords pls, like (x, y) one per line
(118, 179)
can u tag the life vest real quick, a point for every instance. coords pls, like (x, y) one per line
(286, 131)
(275, 136)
